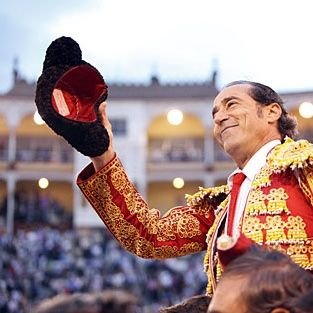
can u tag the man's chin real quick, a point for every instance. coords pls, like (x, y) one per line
(229, 147)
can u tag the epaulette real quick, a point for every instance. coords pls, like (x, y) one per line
(208, 193)
(291, 154)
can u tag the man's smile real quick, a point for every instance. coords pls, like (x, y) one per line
(227, 127)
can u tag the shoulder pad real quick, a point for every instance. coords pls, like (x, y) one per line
(209, 193)
(291, 154)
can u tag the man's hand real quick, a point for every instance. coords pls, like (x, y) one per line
(102, 160)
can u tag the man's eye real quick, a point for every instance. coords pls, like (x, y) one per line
(229, 104)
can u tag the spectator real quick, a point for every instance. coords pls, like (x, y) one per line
(45, 262)
(304, 304)
(196, 304)
(36, 208)
(110, 301)
(260, 281)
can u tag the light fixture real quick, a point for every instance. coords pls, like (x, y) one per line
(175, 117)
(43, 183)
(306, 109)
(178, 182)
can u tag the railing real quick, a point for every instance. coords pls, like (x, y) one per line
(176, 150)
(43, 149)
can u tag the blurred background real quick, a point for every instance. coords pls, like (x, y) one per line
(164, 62)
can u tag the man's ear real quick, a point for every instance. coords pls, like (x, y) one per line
(280, 310)
(273, 112)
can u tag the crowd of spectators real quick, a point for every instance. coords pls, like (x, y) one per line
(42, 263)
(37, 208)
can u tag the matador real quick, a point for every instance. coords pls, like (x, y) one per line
(274, 206)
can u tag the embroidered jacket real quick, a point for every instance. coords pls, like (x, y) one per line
(278, 213)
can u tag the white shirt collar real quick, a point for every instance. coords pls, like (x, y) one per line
(257, 161)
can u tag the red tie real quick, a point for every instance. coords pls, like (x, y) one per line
(238, 178)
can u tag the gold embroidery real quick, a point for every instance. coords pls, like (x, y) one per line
(219, 270)
(252, 228)
(290, 154)
(277, 201)
(296, 229)
(188, 227)
(306, 182)
(293, 154)
(209, 258)
(275, 229)
(97, 191)
(179, 222)
(170, 251)
(214, 275)
(256, 203)
(209, 288)
(209, 263)
(299, 254)
(210, 193)
(262, 179)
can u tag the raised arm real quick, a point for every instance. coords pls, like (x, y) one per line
(139, 229)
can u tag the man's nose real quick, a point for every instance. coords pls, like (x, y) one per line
(220, 117)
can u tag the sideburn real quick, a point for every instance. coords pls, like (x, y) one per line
(259, 111)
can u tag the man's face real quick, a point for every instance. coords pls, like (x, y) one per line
(227, 297)
(240, 125)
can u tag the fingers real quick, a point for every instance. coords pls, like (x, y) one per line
(100, 161)
(105, 121)
(102, 111)
(104, 117)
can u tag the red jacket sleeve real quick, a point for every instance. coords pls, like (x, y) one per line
(142, 231)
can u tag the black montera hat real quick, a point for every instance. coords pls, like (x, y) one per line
(68, 94)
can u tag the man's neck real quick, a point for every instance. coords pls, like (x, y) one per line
(244, 158)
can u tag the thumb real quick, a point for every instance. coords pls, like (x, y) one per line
(102, 113)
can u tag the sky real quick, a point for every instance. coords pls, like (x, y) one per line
(269, 41)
